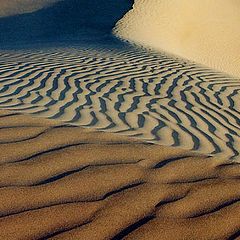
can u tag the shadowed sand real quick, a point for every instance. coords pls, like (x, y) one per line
(59, 20)
(62, 182)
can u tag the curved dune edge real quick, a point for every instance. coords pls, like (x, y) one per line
(205, 31)
(62, 182)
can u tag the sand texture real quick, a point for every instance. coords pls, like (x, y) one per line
(103, 139)
(205, 31)
(155, 97)
(65, 182)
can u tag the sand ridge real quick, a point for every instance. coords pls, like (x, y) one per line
(155, 97)
(205, 31)
(91, 185)
(104, 140)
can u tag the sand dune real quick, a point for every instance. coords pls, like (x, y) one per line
(155, 97)
(205, 31)
(91, 185)
(100, 139)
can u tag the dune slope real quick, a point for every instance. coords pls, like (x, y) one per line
(65, 182)
(79, 20)
(155, 97)
(102, 83)
(103, 140)
(205, 31)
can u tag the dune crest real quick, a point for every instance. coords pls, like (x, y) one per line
(205, 31)
(101, 139)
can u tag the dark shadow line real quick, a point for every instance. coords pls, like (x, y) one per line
(165, 162)
(63, 230)
(133, 227)
(234, 236)
(70, 172)
(226, 204)
(129, 186)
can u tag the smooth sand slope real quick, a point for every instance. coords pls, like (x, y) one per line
(206, 31)
(63, 182)
(155, 97)
(14, 7)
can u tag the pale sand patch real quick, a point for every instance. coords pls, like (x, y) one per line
(62, 182)
(14, 7)
(205, 31)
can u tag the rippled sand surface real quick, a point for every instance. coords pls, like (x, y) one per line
(64, 182)
(155, 97)
(105, 140)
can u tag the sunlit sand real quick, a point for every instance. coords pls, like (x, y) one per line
(205, 31)
(134, 135)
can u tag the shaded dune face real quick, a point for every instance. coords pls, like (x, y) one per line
(65, 18)
(63, 182)
(205, 31)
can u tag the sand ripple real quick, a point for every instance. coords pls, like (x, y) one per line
(155, 97)
(91, 185)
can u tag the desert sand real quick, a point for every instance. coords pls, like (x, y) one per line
(205, 31)
(63, 182)
(102, 139)
(155, 97)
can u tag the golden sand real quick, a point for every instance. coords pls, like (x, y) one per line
(62, 182)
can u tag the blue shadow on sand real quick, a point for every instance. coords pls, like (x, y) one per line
(67, 20)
